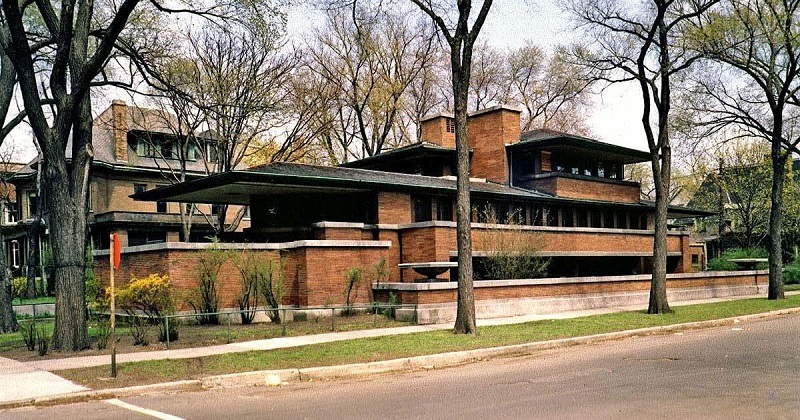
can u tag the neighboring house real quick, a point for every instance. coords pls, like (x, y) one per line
(134, 151)
(8, 221)
(566, 192)
(740, 198)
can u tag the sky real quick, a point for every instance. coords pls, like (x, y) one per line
(615, 117)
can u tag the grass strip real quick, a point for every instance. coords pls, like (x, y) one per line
(407, 345)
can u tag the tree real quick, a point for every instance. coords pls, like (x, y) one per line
(643, 45)
(553, 92)
(740, 185)
(753, 82)
(489, 81)
(365, 62)
(67, 46)
(460, 37)
(8, 78)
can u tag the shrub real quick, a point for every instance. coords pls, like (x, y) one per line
(247, 263)
(103, 326)
(28, 332)
(352, 280)
(151, 296)
(18, 286)
(205, 302)
(722, 262)
(43, 340)
(510, 253)
(269, 277)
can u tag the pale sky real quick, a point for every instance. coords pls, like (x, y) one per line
(615, 118)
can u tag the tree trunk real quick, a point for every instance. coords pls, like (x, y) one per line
(66, 191)
(779, 157)
(8, 320)
(32, 260)
(465, 313)
(658, 303)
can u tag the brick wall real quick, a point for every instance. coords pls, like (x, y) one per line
(120, 130)
(635, 284)
(488, 133)
(394, 208)
(564, 186)
(314, 276)
(434, 130)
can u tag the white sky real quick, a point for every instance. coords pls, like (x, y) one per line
(615, 118)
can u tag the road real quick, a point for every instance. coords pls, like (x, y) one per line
(749, 370)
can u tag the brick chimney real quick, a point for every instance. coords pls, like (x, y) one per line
(439, 129)
(119, 115)
(489, 131)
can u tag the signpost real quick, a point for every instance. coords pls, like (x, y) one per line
(113, 264)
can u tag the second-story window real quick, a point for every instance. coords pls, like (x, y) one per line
(139, 188)
(161, 206)
(450, 125)
(33, 200)
(10, 212)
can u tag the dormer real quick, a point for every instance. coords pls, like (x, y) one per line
(571, 166)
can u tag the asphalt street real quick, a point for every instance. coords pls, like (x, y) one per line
(749, 370)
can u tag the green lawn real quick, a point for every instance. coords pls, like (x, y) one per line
(36, 301)
(392, 347)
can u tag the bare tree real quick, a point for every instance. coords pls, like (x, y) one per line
(643, 45)
(756, 89)
(489, 84)
(553, 91)
(366, 62)
(8, 78)
(461, 36)
(70, 44)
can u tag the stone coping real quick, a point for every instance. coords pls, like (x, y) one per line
(250, 246)
(445, 285)
(436, 264)
(581, 254)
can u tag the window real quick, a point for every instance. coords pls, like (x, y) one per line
(212, 152)
(161, 206)
(444, 209)
(10, 212)
(169, 149)
(33, 201)
(583, 217)
(15, 255)
(216, 209)
(421, 208)
(568, 219)
(139, 188)
(188, 208)
(450, 125)
(191, 152)
(601, 172)
(547, 165)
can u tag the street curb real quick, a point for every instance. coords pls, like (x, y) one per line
(323, 373)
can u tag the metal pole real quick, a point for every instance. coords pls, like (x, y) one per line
(113, 304)
(166, 328)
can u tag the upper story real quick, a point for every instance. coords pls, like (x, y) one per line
(559, 164)
(135, 149)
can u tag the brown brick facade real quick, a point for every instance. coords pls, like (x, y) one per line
(563, 186)
(488, 133)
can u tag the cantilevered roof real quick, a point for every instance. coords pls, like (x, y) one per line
(555, 140)
(236, 187)
(412, 150)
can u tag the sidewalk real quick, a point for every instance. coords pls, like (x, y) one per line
(22, 381)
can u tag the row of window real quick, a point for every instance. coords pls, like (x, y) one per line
(426, 208)
(159, 147)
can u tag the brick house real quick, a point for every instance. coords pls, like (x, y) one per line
(566, 192)
(134, 151)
